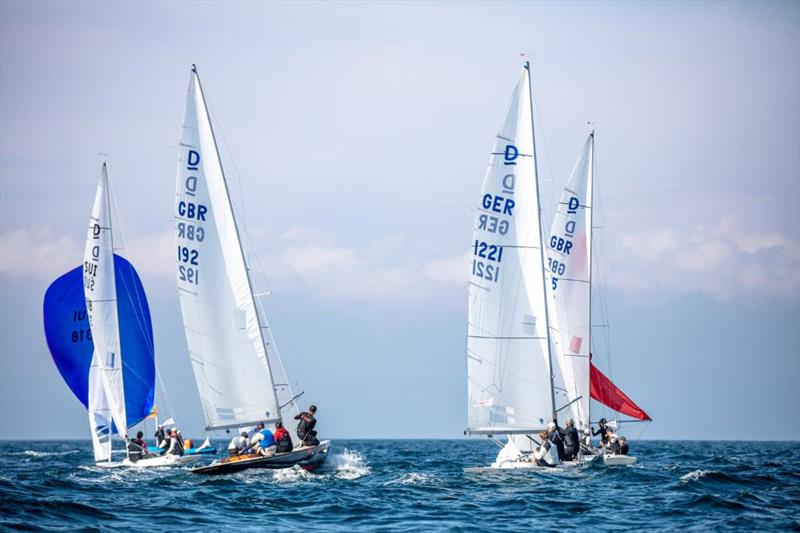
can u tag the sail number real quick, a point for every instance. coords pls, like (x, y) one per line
(492, 252)
(485, 270)
(191, 217)
(563, 245)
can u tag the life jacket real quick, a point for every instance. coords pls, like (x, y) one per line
(283, 440)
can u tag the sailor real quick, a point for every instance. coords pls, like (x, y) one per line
(602, 431)
(613, 443)
(137, 448)
(623, 446)
(586, 442)
(254, 436)
(546, 454)
(283, 440)
(305, 428)
(570, 438)
(238, 444)
(160, 435)
(266, 444)
(180, 438)
(175, 446)
(554, 437)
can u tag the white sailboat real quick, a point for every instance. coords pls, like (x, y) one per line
(569, 269)
(233, 360)
(509, 362)
(98, 328)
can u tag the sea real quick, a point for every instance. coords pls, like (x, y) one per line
(410, 485)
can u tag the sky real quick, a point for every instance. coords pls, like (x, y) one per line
(355, 138)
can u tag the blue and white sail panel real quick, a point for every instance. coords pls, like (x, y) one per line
(509, 384)
(223, 331)
(69, 338)
(569, 249)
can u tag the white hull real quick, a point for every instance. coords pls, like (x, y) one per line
(527, 465)
(619, 460)
(152, 462)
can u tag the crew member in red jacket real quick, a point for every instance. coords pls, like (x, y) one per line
(282, 438)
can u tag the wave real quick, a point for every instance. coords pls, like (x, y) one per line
(694, 475)
(35, 453)
(414, 478)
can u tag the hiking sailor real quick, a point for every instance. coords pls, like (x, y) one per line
(623, 446)
(546, 454)
(305, 428)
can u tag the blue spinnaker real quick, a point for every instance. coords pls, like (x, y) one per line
(66, 327)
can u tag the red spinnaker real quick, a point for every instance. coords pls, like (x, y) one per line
(605, 392)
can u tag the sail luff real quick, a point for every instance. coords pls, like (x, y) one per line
(101, 305)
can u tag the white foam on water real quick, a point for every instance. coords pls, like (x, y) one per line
(695, 475)
(413, 478)
(34, 453)
(291, 475)
(349, 465)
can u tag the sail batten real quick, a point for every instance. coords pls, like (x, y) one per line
(221, 320)
(508, 363)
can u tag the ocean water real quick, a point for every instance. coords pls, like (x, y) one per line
(408, 485)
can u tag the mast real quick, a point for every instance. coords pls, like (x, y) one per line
(591, 252)
(541, 247)
(239, 241)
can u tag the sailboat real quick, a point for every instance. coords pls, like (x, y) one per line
(509, 359)
(98, 328)
(569, 269)
(233, 356)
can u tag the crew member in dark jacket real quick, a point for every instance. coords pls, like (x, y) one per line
(555, 437)
(623, 446)
(571, 440)
(602, 431)
(305, 427)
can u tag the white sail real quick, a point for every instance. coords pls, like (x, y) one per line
(569, 250)
(99, 288)
(99, 414)
(223, 331)
(508, 360)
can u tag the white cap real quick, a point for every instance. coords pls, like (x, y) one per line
(586, 431)
(551, 425)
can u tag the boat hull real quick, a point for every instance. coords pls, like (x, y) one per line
(527, 465)
(619, 460)
(306, 458)
(153, 462)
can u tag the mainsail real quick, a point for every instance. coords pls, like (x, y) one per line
(509, 371)
(224, 332)
(569, 267)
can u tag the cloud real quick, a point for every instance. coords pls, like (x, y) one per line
(721, 260)
(38, 251)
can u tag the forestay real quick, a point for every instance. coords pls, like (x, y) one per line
(100, 291)
(508, 365)
(223, 331)
(569, 251)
